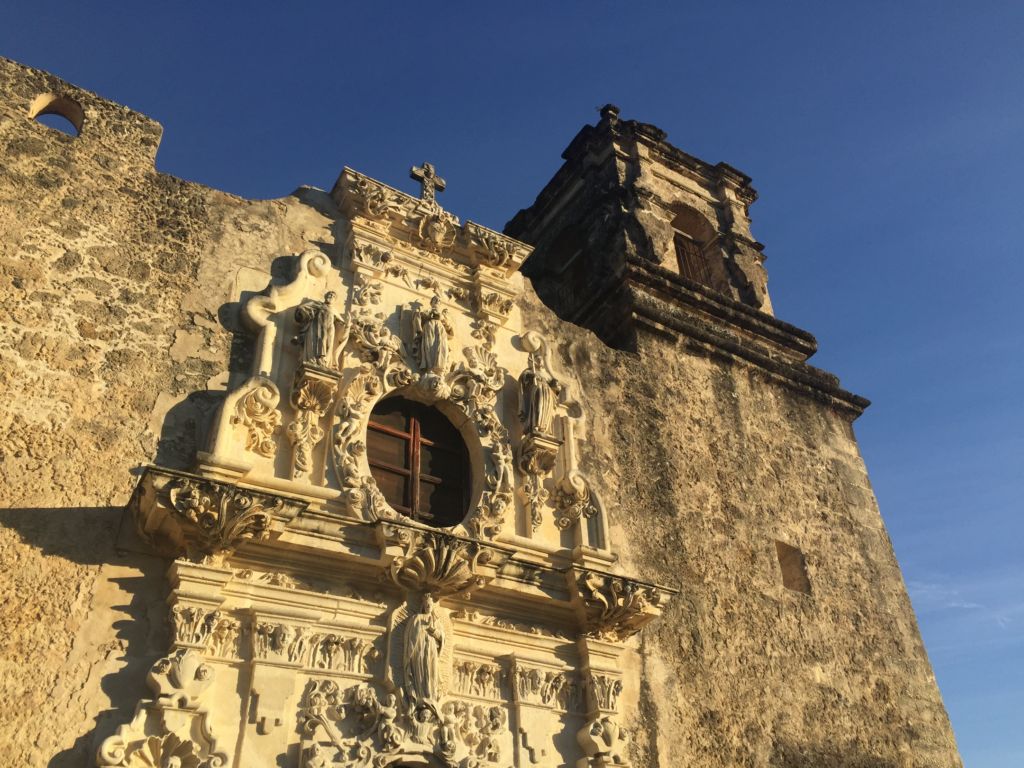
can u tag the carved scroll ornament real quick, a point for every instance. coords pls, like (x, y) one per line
(171, 730)
(186, 514)
(573, 500)
(615, 608)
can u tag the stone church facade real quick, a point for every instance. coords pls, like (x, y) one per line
(341, 480)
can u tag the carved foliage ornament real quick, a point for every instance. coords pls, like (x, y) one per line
(616, 608)
(499, 250)
(378, 202)
(383, 731)
(547, 688)
(222, 515)
(312, 395)
(202, 628)
(438, 562)
(172, 730)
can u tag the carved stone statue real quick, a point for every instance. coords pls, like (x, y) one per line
(424, 641)
(315, 757)
(317, 323)
(388, 732)
(432, 331)
(539, 392)
(503, 480)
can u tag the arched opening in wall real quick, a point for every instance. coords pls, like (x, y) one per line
(691, 232)
(59, 112)
(566, 261)
(419, 461)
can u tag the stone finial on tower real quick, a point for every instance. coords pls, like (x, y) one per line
(429, 181)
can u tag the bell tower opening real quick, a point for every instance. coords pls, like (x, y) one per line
(419, 461)
(690, 233)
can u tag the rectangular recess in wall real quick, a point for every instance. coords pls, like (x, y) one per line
(794, 569)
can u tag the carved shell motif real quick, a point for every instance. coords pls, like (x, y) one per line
(167, 752)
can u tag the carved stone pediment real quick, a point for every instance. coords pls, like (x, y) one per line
(419, 229)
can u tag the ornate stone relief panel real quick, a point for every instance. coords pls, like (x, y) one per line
(345, 632)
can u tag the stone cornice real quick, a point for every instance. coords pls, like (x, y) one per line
(653, 300)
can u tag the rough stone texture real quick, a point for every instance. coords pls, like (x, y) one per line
(710, 463)
(119, 337)
(114, 282)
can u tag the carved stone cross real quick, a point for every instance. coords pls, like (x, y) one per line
(429, 181)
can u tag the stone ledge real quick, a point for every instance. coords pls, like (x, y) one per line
(644, 300)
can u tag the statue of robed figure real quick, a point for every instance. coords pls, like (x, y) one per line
(424, 643)
(538, 391)
(432, 331)
(318, 322)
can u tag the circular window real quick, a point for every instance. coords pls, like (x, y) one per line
(420, 462)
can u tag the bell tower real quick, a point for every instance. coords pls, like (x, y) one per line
(631, 225)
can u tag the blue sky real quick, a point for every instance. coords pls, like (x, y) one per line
(886, 141)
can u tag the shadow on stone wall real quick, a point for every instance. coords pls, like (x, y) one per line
(83, 535)
(105, 626)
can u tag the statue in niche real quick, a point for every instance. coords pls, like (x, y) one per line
(432, 331)
(538, 392)
(318, 321)
(424, 641)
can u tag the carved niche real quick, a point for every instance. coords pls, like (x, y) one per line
(311, 623)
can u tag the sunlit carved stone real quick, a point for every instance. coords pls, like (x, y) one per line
(181, 513)
(341, 629)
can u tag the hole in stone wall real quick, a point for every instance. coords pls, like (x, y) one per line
(59, 112)
(794, 569)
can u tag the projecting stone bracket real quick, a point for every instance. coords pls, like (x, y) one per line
(178, 513)
(614, 608)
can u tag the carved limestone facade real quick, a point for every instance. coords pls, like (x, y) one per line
(353, 634)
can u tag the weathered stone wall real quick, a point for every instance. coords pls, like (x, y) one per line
(119, 335)
(709, 464)
(118, 306)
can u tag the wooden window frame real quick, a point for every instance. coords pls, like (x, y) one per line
(691, 258)
(414, 440)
